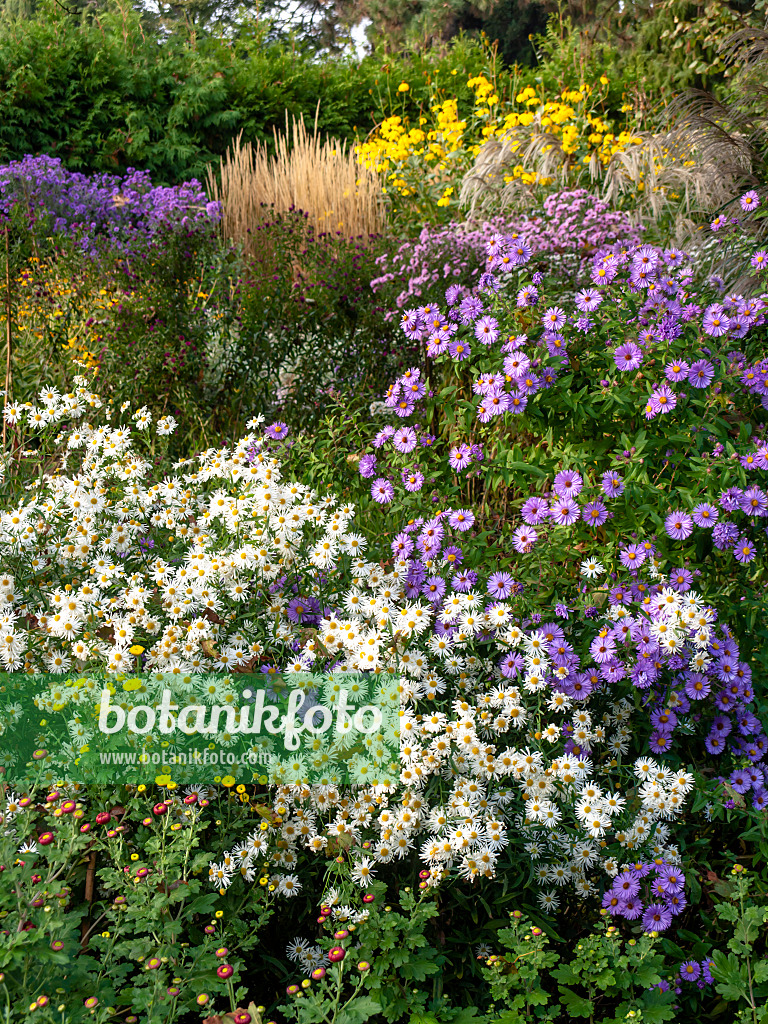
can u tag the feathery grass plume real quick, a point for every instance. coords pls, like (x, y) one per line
(323, 179)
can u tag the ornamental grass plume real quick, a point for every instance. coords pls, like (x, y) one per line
(323, 179)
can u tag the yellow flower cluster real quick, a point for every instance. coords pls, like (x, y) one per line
(426, 161)
(55, 309)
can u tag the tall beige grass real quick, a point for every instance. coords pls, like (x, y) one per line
(322, 178)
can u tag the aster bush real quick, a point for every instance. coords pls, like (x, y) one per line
(561, 236)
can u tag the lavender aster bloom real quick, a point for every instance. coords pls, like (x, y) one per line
(705, 514)
(663, 400)
(594, 513)
(750, 201)
(554, 318)
(382, 491)
(524, 538)
(690, 970)
(277, 430)
(413, 480)
(715, 321)
(564, 511)
(677, 370)
(628, 356)
(534, 511)
(405, 440)
(678, 525)
(701, 373)
(500, 585)
(744, 551)
(527, 297)
(612, 484)
(487, 330)
(657, 918)
(367, 466)
(588, 300)
(460, 457)
(462, 519)
(568, 483)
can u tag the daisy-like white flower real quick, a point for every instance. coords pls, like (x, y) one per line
(592, 569)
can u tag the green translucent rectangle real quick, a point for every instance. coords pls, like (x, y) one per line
(339, 728)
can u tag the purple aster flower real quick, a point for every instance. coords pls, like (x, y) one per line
(602, 649)
(464, 581)
(367, 466)
(750, 201)
(462, 520)
(564, 511)
(701, 373)
(760, 259)
(413, 480)
(659, 742)
(632, 908)
(487, 330)
(524, 538)
(554, 318)
(594, 513)
(382, 491)
(604, 271)
(460, 457)
(612, 484)
(520, 252)
(628, 356)
(453, 555)
(411, 324)
(657, 918)
(535, 510)
(754, 502)
(510, 664)
(626, 885)
(730, 499)
(690, 970)
(715, 321)
(517, 364)
(460, 350)
(705, 515)
(632, 555)
(402, 545)
(740, 781)
(405, 440)
(725, 535)
(382, 437)
(678, 525)
(714, 743)
(744, 550)
(588, 300)
(433, 589)
(568, 483)
(527, 297)
(663, 399)
(277, 430)
(681, 580)
(528, 384)
(516, 403)
(500, 585)
(677, 370)
(470, 309)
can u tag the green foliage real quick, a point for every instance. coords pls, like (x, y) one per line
(602, 979)
(741, 974)
(116, 911)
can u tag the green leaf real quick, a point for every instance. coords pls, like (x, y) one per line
(576, 1005)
